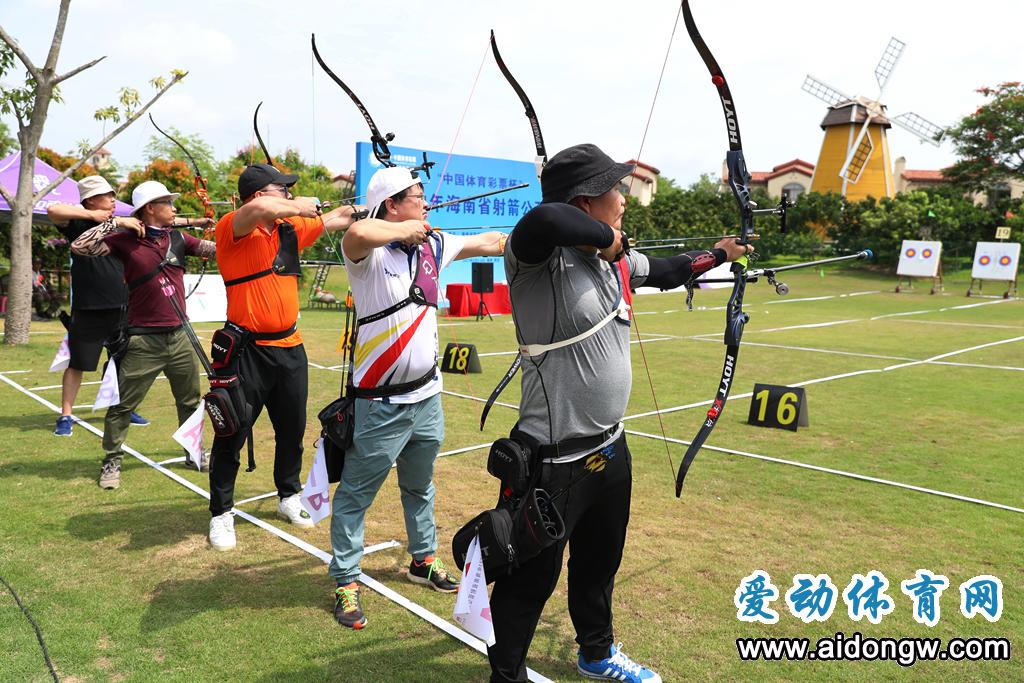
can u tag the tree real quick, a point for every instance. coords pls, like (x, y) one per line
(991, 140)
(29, 104)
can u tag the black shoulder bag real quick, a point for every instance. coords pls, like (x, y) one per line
(337, 420)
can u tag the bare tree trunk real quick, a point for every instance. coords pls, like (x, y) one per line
(19, 298)
(19, 293)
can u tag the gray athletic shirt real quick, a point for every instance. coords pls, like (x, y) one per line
(581, 389)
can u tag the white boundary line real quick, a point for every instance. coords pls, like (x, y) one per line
(255, 498)
(646, 340)
(85, 384)
(864, 355)
(794, 463)
(953, 353)
(829, 470)
(829, 378)
(467, 449)
(939, 310)
(816, 298)
(854, 320)
(945, 322)
(810, 325)
(650, 291)
(368, 581)
(480, 400)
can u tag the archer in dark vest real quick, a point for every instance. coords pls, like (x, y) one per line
(258, 357)
(153, 256)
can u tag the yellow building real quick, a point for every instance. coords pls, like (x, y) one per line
(870, 170)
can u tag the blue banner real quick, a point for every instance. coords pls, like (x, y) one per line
(458, 177)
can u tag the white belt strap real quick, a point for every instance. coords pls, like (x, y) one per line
(528, 350)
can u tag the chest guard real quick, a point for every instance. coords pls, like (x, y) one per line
(424, 287)
(174, 258)
(286, 260)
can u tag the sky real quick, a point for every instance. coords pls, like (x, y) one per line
(589, 67)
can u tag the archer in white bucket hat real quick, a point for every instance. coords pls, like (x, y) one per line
(150, 191)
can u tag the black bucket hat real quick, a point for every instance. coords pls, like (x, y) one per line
(581, 171)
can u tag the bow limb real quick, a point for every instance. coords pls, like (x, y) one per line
(259, 138)
(379, 142)
(538, 137)
(201, 191)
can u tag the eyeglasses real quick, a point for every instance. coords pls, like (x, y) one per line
(283, 189)
(168, 201)
(415, 196)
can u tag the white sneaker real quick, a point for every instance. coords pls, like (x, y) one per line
(222, 531)
(291, 509)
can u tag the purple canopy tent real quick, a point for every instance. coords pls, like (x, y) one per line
(65, 193)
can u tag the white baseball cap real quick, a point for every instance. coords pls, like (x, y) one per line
(92, 186)
(388, 182)
(149, 191)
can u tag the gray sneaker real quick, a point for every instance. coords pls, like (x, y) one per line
(204, 462)
(110, 475)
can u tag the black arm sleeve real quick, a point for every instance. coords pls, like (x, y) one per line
(556, 225)
(671, 272)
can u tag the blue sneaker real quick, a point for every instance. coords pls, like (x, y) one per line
(618, 667)
(64, 425)
(138, 420)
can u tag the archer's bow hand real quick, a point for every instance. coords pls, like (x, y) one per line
(413, 232)
(307, 207)
(733, 249)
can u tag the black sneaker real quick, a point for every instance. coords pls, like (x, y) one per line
(431, 572)
(347, 609)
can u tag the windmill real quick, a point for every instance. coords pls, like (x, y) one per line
(854, 159)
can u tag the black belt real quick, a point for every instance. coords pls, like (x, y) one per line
(394, 389)
(580, 444)
(268, 336)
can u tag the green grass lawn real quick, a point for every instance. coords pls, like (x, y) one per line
(125, 587)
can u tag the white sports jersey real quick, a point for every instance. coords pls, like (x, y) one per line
(401, 347)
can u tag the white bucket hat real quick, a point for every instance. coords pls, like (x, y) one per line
(92, 186)
(385, 183)
(149, 191)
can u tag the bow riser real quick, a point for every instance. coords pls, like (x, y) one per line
(739, 183)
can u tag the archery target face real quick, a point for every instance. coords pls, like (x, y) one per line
(996, 260)
(919, 258)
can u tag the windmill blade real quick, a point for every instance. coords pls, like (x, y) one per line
(887, 63)
(824, 92)
(921, 127)
(860, 152)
